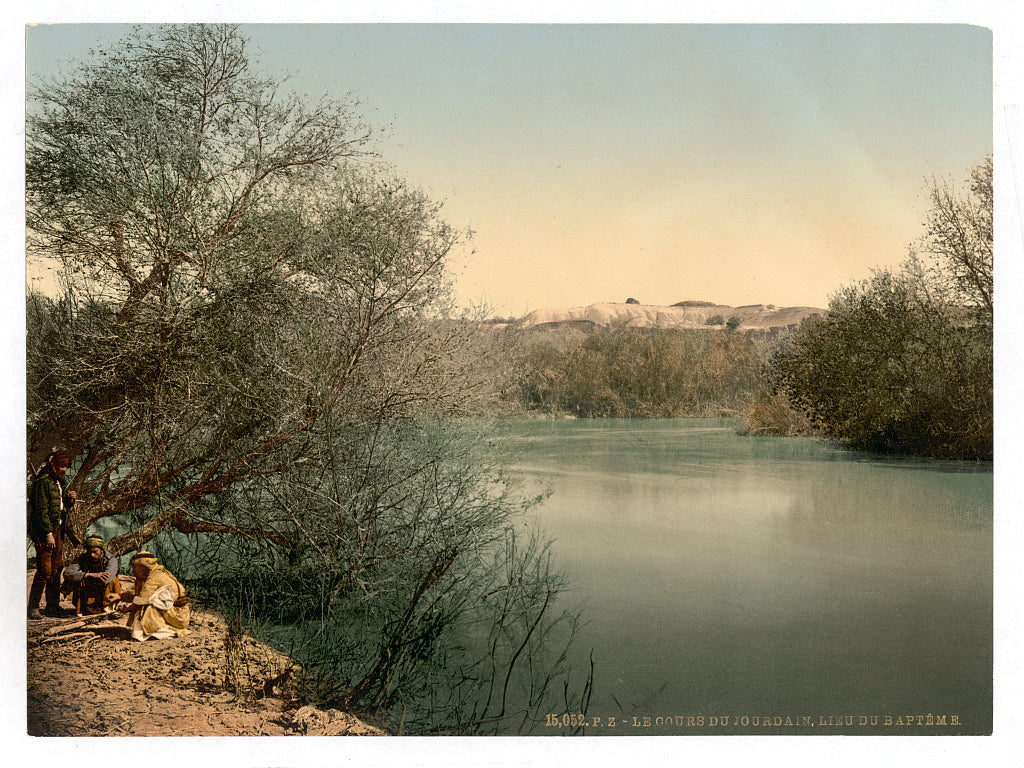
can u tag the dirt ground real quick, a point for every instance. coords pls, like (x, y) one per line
(89, 678)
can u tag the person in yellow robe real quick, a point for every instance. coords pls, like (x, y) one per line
(160, 607)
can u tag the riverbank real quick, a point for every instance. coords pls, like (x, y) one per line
(87, 677)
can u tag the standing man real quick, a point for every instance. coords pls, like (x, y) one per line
(48, 503)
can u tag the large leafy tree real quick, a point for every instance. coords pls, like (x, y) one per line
(889, 370)
(226, 275)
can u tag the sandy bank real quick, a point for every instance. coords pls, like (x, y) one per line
(91, 679)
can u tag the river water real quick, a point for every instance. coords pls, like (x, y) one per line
(766, 585)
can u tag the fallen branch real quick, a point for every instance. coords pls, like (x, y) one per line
(63, 628)
(62, 638)
(66, 628)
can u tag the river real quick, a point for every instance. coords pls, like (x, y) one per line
(765, 585)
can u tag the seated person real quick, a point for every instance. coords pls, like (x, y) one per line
(92, 579)
(160, 607)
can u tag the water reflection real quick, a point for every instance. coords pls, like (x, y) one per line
(766, 575)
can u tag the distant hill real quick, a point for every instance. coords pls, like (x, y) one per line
(686, 314)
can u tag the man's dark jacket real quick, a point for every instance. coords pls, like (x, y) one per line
(48, 501)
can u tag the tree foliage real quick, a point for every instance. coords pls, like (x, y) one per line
(410, 587)
(902, 363)
(226, 273)
(624, 372)
(959, 241)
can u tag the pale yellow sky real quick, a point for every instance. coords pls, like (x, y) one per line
(738, 164)
(725, 240)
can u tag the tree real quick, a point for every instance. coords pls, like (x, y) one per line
(959, 240)
(902, 363)
(407, 582)
(226, 274)
(619, 371)
(249, 356)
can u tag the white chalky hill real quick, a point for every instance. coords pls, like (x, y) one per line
(691, 315)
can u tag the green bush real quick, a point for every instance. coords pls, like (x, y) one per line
(890, 370)
(771, 413)
(627, 372)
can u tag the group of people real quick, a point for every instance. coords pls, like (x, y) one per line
(159, 605)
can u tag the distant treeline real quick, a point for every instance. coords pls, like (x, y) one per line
(885, 370)
(622, 371)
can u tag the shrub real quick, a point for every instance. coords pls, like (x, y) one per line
(891, 370)
(626, 372)
(771, 413)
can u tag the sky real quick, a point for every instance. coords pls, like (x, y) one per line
(740, 163)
